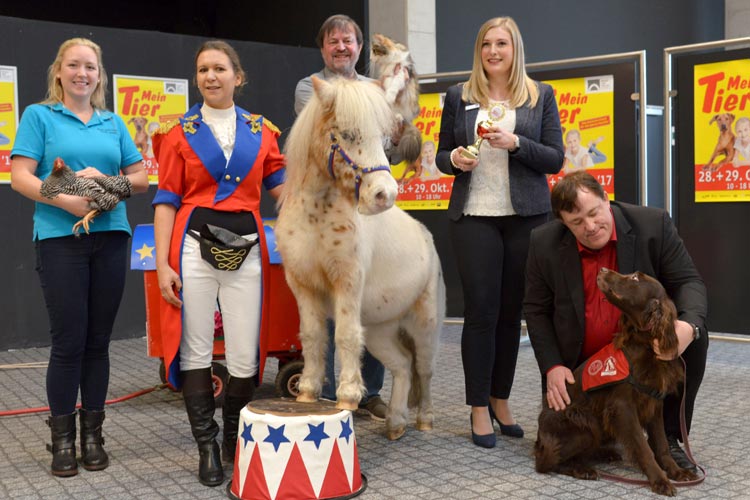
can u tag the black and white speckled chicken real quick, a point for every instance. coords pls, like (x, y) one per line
(105, 192)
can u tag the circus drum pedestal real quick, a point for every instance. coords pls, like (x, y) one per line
(294, 451)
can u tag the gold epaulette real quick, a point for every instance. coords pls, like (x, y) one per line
(270, 125)
(164, 128)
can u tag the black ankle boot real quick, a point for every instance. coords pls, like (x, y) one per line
(93, 455)
(63, 447)
(197, 391)
(239, 394)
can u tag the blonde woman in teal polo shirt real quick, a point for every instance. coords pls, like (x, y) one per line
(82, 277)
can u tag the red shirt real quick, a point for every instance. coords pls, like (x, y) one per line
(601, 317)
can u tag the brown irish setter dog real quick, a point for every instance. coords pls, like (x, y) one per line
(571, 440)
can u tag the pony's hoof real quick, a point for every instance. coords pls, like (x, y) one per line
(395, 434)
(346, 405)
(424, 426)
(306, 398)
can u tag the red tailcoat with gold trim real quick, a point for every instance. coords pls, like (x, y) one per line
(193, 172)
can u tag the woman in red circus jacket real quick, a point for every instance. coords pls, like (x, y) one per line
(211, 166)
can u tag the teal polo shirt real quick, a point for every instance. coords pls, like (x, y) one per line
(50, 131)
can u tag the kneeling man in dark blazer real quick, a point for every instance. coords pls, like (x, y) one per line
(568, 317)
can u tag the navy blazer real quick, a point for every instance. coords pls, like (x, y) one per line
(541, 150)
(647, 241)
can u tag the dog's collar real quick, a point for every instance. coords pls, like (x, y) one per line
(648, 391)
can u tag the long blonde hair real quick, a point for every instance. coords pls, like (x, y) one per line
(55, 93)
(522, 87)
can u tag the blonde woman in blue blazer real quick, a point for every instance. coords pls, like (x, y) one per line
(497, 199)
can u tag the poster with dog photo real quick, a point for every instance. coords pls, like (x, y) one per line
(586, 106)
(421, 185)
(144, 103)
(8, 117)
(722, 131)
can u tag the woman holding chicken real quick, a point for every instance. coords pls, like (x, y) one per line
(82, 277)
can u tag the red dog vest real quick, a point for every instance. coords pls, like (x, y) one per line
(606, 367)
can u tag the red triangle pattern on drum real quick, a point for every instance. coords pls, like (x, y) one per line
(357, 473)
(295, 484)
(255, 482)
(336, 483)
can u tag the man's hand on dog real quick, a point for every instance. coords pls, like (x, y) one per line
(557, 392)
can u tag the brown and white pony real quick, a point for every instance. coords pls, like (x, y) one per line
(351, 255)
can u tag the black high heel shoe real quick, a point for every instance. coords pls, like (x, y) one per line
(512, 430)
(483, 440)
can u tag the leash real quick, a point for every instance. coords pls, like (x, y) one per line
(688, 453)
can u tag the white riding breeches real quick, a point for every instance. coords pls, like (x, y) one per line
(239, 294)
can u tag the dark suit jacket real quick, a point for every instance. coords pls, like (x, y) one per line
(647, 241)
(541, 150)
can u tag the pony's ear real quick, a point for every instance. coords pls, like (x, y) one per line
(323, 90)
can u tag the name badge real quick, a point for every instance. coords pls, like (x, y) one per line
(469, 107)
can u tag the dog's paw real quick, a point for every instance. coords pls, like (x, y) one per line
(682, 475)
(608, 455)
(583, 472)
(663, 487)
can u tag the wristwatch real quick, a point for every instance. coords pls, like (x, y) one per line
(696, 331)
(516, 145)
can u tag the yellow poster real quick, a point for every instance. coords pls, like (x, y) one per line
(422, 186)
(144, 103)
(722, 131)
(8, 118)
(586, 108)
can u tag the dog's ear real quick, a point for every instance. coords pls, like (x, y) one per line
(731, 117)
(713, 119)
(651, 316)
(663, 327)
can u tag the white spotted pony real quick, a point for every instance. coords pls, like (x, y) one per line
(351, 255)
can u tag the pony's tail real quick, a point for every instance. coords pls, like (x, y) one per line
(410, 144)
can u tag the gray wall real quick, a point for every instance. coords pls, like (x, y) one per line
(552, 30)
(272, 70)
(556, 29)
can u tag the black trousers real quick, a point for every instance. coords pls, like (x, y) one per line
(82, 281)
(491, 259)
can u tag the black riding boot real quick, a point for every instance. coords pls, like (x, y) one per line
(63, 447)
(239, 393)
(197, 391)
(93, 455)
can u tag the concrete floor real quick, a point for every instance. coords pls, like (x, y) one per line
(153, 454)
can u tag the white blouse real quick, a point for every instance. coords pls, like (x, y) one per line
(489, 189)
(223, 124)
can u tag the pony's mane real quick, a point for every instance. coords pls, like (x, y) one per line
(357, 105)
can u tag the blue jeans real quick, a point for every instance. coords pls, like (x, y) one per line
(82, 281)
(373, 371)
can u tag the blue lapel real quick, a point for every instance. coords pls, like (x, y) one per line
(523, 116)
(246, 146)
